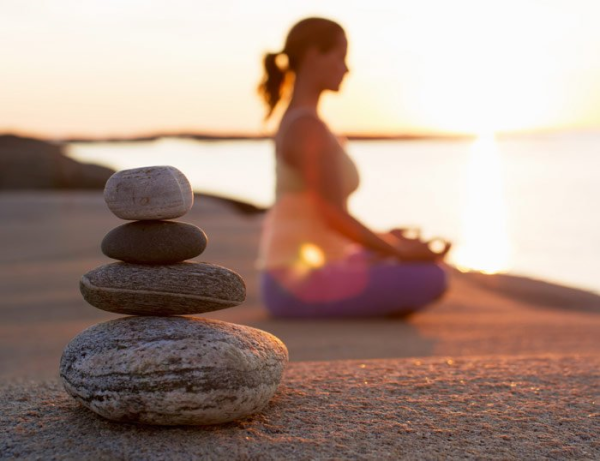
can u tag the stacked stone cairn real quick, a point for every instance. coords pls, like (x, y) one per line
(155, 366)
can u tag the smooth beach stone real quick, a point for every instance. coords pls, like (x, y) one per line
(154, 242)
(156, 192)
(173, 370)
(174, 289)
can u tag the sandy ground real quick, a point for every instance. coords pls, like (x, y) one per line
(494, 329)
(469, 408)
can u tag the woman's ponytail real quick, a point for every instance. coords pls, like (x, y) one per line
(319, 33)
(272, 85)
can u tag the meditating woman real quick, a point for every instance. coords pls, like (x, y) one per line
(316, 259)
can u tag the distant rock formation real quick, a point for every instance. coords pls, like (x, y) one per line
(27, 163)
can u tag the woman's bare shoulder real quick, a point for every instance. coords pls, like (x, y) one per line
(306, 131)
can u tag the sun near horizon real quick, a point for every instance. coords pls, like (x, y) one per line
(112, 69)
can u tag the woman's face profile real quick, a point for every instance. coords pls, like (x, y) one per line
(332, 64)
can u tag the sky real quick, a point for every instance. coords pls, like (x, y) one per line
(130, 67)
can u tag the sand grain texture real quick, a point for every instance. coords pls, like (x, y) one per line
(465, 408)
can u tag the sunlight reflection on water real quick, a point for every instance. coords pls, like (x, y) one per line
(485, 237)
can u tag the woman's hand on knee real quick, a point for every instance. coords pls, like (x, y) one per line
(413, 248)
(423, 251)
(406, 233)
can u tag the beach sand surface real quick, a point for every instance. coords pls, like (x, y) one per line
(439, 380)
(534, 407)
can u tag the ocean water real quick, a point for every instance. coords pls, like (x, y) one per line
(526, 205)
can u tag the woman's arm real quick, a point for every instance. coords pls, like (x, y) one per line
(308, 147)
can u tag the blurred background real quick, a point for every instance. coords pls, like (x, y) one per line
(476, 121)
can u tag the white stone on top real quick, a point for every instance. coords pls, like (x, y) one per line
(154, 192)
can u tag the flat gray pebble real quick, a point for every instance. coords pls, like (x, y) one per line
(174, 289)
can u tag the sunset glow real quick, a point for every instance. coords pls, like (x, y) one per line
(102, 68)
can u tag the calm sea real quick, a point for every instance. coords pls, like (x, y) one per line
(523, 205)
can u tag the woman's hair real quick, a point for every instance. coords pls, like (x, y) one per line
(319, 33)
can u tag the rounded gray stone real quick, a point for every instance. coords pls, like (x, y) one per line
(154, 242)
(157, 192)
(173, 370)
(174, 289)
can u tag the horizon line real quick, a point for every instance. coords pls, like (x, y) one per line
(246, 136)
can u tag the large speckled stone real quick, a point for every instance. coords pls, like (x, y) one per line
(174, 289)
(173, 370)
(154, 242)
(157, 192)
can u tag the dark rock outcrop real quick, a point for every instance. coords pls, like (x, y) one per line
(27, 163)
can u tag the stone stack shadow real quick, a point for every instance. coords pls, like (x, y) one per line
(156, 367)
